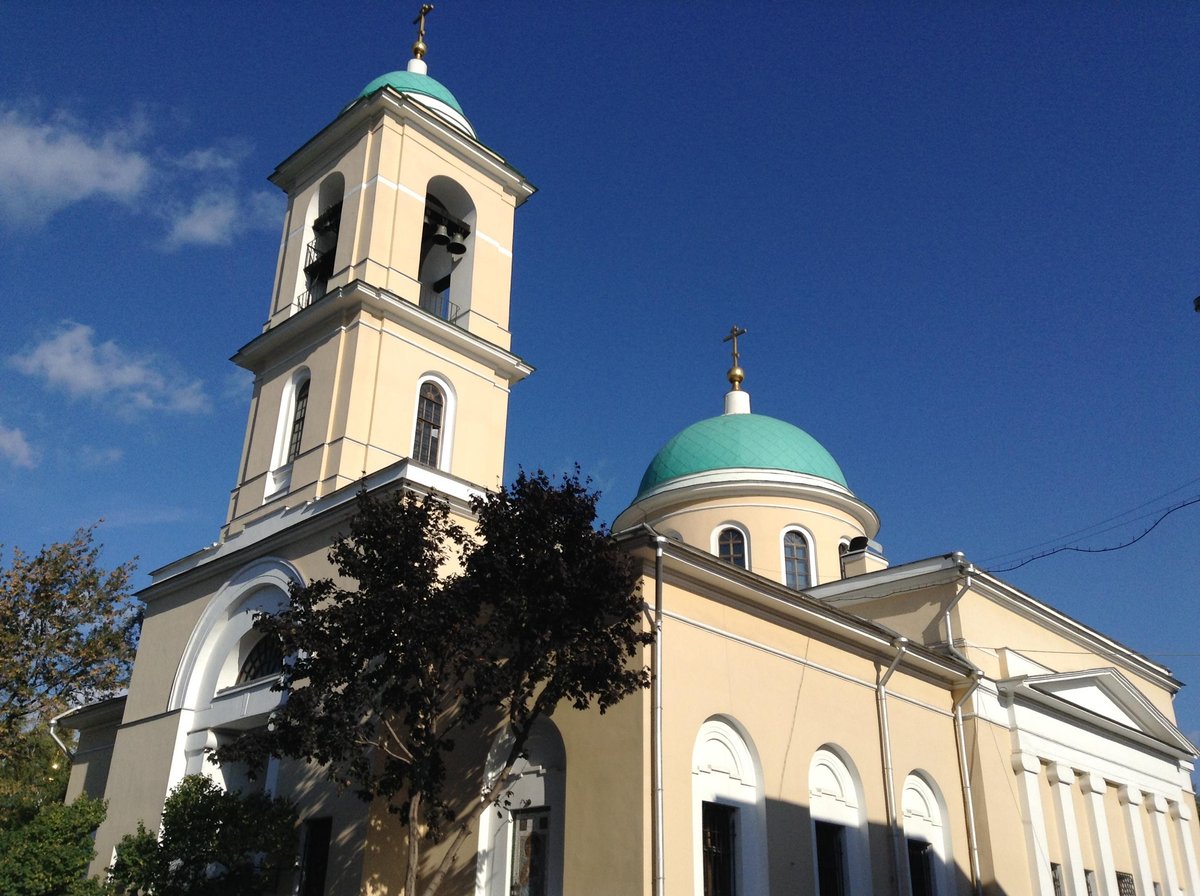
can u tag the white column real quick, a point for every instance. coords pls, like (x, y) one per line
(1162, 843)
(1182, 814)
(1093, 787)
(1131, 799)
(1062, 777)
(1028, 767)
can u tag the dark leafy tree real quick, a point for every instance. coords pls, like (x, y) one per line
(67, 634)
(432, 626)
(213, 842)
(48, 853)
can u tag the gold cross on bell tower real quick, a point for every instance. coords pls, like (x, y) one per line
(419, 49)
(736, 374)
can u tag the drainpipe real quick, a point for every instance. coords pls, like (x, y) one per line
(656, 724)
(58, 740)
(960, 737)
(885, 737)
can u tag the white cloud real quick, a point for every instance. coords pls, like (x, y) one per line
(92, 457)
(72, 360)
(214, 218)
(46, 166)
(15, 449)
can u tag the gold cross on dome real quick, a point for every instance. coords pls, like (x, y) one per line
(419, 47)
(736, 374)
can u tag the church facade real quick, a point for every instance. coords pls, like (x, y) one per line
(819, 721)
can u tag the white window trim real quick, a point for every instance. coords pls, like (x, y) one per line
(846, 808)
(279, 476)
(719, 742)
(449, 414)
(810, 553)
(932, 830)
(714, 540)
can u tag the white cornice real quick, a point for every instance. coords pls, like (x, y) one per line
(744, 482)
(361, 115)
(289, 523)
(332, 307)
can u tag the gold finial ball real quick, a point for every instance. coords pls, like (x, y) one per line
(419, 49)
(736, 375)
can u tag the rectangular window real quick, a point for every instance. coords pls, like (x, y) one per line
(1125, 885)
(314, 856)
(920, 867)
(1056, 878)
(717, 849)
(1089, 879)
(1157, 889)
(831, 859)
(530, 852)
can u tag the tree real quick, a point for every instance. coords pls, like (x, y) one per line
(436, 627)
(48, 854)
(213, 843)
(67, 634)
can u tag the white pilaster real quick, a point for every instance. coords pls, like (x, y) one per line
(1181, 813)
(1028, 767)
(1131, 799)
(1062, 778)
(1093, 787)
(1162, 842)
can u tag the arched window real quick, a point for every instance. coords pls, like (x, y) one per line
(301, 408)
(265, 659)
(729, 813)
(796, 569)
(521, 838)
(840, 842)
(431, 409)
(289, 433)
(731, 546)
(927, 838)
(321, 248)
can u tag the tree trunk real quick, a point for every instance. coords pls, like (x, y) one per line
(414, 845)
(460, 836)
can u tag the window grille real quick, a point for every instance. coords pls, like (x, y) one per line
(298, 422)
(731, 547)
(431, 406)
(795, 560)
(266, 658)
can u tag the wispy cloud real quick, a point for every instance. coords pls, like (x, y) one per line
(73, 360)
(50, 163)
(214, 218)
(92, 457)
(46, 166)
(15, 449)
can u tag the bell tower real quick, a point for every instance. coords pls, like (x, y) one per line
(387, 340)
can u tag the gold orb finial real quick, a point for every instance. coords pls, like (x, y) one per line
(419, 48)
(736, 374)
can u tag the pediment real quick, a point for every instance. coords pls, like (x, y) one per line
(1105, 697)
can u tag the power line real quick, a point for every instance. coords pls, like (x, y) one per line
(1116, 547)
(1088, 529)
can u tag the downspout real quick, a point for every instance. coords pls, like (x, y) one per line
(885, 737)
(964, 771)
(656, 702)
(58, 740)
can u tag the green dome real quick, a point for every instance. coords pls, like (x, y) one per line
(734, 441)
(411, 82)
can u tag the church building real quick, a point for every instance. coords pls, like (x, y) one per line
(819, 721)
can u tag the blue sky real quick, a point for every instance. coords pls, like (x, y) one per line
(964, 239)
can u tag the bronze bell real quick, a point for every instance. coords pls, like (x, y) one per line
(457, 244)
(440, 235)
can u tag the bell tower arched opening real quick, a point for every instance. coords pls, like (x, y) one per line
(320, 251)
(447, 250)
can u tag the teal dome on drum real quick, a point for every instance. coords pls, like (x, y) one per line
(739, 441)
(411, 82)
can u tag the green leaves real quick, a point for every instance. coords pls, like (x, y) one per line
(49, 854)
(212, 842)
(67, 633)
(430, 627)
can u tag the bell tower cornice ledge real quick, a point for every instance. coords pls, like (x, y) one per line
(342, 303)
(365, 113)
